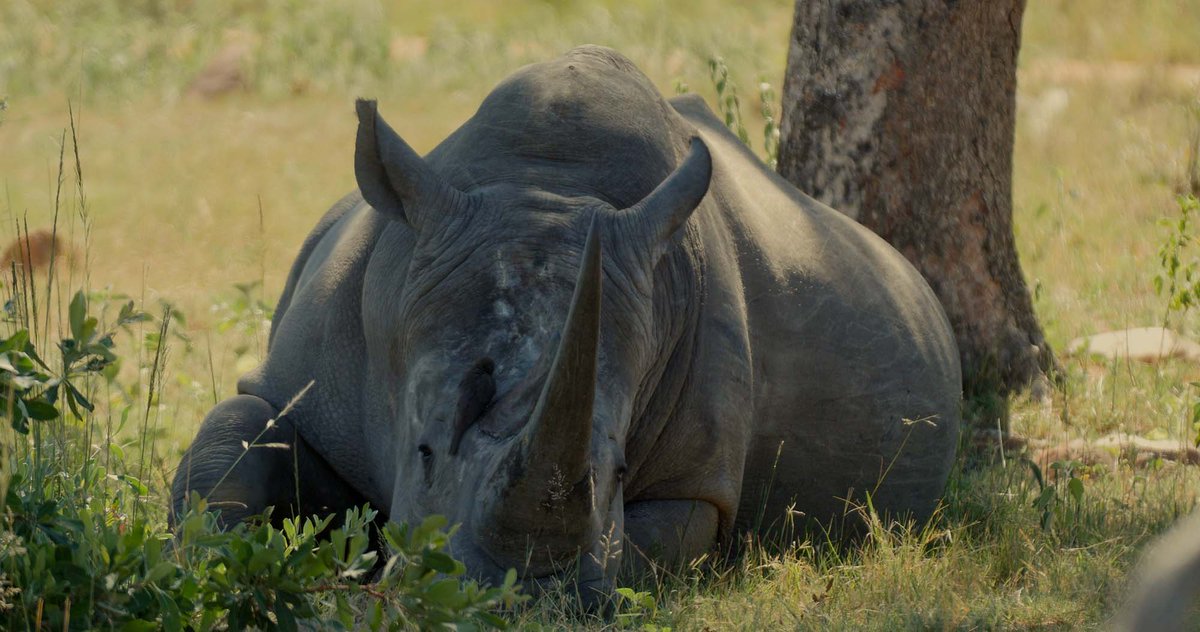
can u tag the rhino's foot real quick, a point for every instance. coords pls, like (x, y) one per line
(246, 459)
(668, 534)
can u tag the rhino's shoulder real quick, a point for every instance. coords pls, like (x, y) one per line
(808, 264)
(788, 229)
(350, 203)
(318, 317)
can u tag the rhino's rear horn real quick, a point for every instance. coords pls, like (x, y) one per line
(661, 213)
(393, 178)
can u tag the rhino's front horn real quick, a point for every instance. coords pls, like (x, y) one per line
(393, 178)
(552, 459)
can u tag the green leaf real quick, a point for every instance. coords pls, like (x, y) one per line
(440, 562)
(261, 559)
(446, 592)
(15, 342)
(88, 330)
(40, 410)
(152, 551)
(136, 485)
(493, 620)
(283, 614)
(130, 315)
(160, 571)
(78, 313)
(20, 422)
(344, 612)
(1075, 487)
(1044, 499)
(74, 397)
(139, 625)
(375, 620)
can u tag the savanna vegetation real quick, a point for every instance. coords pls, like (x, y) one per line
(185, 212)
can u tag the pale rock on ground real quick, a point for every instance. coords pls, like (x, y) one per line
(226, 72)
(1105, 451)
(1144, 344)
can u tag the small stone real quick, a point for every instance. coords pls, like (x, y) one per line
(224, 74)
(1144, 344)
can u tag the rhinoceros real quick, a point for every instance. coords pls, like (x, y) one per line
(593, 329)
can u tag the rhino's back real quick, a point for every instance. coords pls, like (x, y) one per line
(586, 124)
(848, 342)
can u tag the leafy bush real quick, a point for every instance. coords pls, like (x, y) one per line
(1177, 279)
(83, 544)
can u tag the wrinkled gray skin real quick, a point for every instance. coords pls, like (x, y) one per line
(589, 326)
(1167, 583)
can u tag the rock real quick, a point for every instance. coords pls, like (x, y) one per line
(1088, 455)
(1044, 109)
(1106, 451)
(36, 250)
(1140, 451)
(224, 74)
(404, 48)
(1144, 344)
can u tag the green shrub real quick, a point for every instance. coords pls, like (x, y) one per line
(83, 544)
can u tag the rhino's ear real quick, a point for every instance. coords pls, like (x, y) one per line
(659, 215)
(393, 178)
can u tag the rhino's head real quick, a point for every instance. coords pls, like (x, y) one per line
(522, 335)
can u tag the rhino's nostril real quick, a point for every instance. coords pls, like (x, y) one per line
(476, 390)
(426, 460)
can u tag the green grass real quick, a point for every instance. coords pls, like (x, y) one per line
(183, 197)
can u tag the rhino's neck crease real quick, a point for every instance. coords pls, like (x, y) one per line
(679, 281)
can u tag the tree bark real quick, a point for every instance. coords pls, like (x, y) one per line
(900, 114)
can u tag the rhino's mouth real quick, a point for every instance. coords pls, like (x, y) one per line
(590, 583)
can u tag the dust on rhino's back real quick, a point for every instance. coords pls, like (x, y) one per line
(856, 369)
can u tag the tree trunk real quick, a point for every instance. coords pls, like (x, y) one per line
(900, 114)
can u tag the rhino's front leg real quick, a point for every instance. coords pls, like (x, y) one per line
(668, 533)
(242, 467)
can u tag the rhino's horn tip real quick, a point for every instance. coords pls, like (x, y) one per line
(365, 107)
